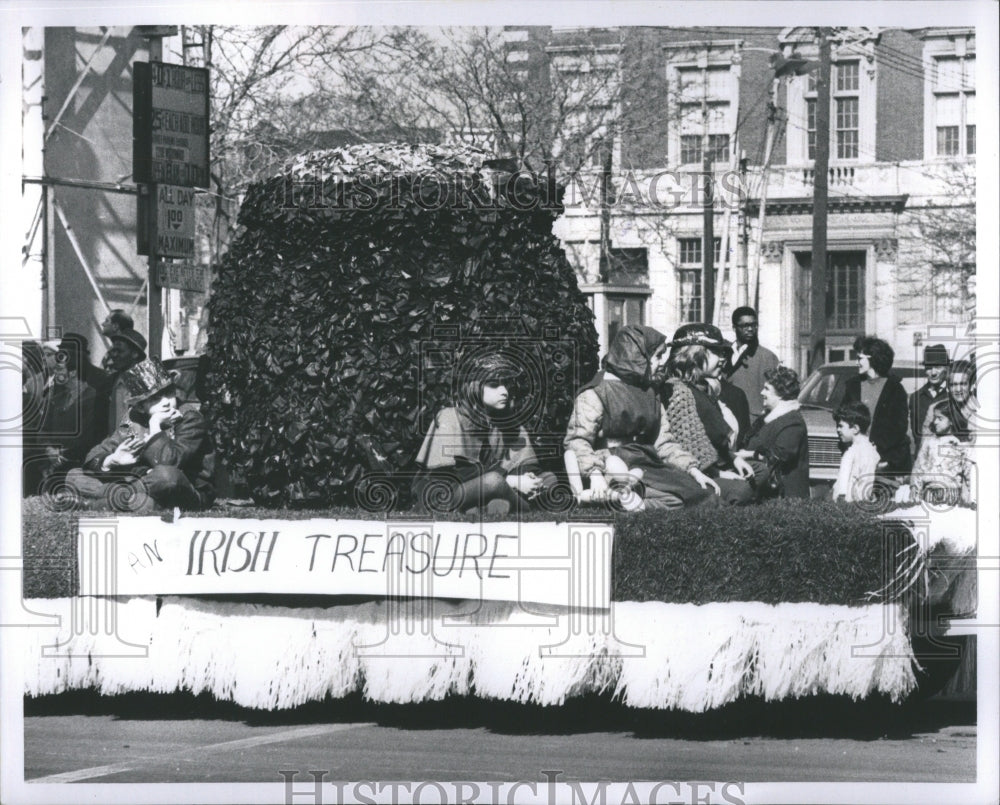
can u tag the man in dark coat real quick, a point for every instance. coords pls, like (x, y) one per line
(750, 360)
(936, 363)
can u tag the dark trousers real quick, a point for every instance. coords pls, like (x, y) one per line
(163, 486)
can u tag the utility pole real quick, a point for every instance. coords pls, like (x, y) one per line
(708, 214)
(743, 236)
(147, 219)
(817, 337)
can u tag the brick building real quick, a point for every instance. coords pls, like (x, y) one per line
(902, 155)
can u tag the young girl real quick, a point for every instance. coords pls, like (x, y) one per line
(942, 470)
(476, 454)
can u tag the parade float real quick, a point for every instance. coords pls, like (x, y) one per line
(360, 280)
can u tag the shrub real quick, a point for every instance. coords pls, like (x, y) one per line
(784, 551)
(360, 277)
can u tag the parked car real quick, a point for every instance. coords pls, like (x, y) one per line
(821, 395)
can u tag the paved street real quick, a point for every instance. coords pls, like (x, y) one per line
(179, 739)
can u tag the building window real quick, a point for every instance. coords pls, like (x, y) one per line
(845, 291)
(811, 127)
(624, 309)
(845, 107)
(689, 275)
(707, 100)
(954, 89)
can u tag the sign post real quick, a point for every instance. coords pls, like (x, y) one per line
(170, 157)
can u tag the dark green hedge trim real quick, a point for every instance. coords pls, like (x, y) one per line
(782, 551)
(335, 329)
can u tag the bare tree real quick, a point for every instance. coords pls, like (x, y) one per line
(258, 77)
(943, 266)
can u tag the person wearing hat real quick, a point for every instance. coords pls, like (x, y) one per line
(127, 348)
(703, 424)
(750, 360)
(162, 457)
(68, 426)
(477, 454)
(936, 363)
(619, 414)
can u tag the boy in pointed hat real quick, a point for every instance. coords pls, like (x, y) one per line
(163, 457)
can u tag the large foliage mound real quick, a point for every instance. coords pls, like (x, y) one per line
(361, 283)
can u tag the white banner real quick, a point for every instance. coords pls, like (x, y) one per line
(552, 563)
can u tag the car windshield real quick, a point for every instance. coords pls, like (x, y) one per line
(823, 390)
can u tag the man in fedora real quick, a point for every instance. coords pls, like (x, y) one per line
(162, 457)
(936, 363)
(128, 347)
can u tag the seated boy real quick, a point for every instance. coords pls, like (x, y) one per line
(942, 470)
(164, 458)
(860, 460)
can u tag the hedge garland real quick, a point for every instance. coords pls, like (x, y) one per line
(785, 551)
(359, 279)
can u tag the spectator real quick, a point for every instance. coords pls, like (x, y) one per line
(163, 457)
(93, 376)
(703, 425)
(942, 472)
(860, 461)
(117, 321)
(750, 360)
(777, 441)
(127, 348)
(478, 449)
(936, 362)
(886, 398)
(68, 427)
(618, 413)
(962, 399)
(35, 389)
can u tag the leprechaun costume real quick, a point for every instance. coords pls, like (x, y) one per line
(174, 462)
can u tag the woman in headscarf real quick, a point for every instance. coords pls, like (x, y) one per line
(705, 426)
(619, 414)
(476, 453)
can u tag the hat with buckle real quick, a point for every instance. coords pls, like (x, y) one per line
(132, 338)
(936, 355)
(145, 379)
(705, 335)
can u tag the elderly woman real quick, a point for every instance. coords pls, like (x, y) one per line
(886, 399)
(702, 423)
(778, 439)
(617, 414)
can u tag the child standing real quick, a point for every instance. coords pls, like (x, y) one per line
(859, 463)
(942, 470)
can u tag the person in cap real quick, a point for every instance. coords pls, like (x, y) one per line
(750, 360)
(117, 321)
(127, 348)
(702, 423)
(67, 425)
(936, 363)
(477, 454)
(162, 457)
(619, 414)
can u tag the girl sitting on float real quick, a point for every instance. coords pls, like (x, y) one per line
(477, 453)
